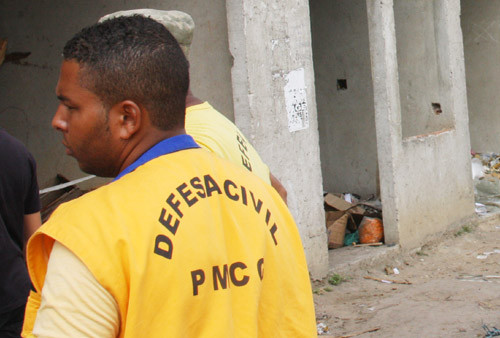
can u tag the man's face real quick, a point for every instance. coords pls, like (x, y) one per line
(82, 119)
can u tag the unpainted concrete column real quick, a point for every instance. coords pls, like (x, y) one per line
(454, 64)
(425, 180)
(387, 107)
(275, 106)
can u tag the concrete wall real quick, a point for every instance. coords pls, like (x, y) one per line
(27, 99)
(420, 83)
(275, 105)
(346, 118)
(425, 180)
(273, 80)
(481, 35)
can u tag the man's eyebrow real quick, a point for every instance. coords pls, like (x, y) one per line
(62, 98)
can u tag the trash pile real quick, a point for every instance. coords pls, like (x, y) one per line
(486, 176)
(350, 221)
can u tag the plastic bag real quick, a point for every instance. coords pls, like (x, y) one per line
(371, 230)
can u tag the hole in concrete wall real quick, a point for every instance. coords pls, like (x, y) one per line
(423, 67)
(436, 108)
(341, 84)
(346, 119)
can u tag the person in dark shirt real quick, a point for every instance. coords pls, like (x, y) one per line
(19, 218)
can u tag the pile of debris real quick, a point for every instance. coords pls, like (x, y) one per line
(486, 176)
(350, 221)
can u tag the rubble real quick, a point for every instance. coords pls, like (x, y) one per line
(486, 177)
(345, 216)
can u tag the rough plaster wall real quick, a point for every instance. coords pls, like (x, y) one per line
(269, 40)
(481, 32)
(419, 81)
(346, 117)
(425, 181)
(440, 163)
(27, 99)
(434, 186)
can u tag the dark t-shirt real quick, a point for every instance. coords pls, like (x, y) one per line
(18, 196)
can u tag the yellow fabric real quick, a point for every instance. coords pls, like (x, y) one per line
(216, 133)
(70, 282)
(32, 306)
(181, 244)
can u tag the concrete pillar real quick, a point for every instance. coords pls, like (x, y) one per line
(480, 22)
(425, 180)
(382, 38)
(275, 106)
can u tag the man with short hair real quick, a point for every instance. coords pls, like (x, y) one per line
(182, 243)
(19, 218)
(209, 128)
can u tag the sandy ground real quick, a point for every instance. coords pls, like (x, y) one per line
(454, 290)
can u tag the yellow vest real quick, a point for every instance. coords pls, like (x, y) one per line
(189, 246)
(216, 133)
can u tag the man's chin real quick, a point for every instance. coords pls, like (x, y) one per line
(86, 169)
(101, 172)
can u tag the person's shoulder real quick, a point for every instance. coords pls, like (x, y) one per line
(199, 107)
(15, 152)
(204, 111)
(9, 142)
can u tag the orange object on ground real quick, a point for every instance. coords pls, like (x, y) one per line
(371, 230)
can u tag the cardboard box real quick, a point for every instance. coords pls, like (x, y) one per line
(340, 204)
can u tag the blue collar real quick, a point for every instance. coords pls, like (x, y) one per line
(167, 146)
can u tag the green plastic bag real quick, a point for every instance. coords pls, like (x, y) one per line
(351, 238)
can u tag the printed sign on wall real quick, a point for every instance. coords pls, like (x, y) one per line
(295, 99)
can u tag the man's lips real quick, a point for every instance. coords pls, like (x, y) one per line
(68, 150)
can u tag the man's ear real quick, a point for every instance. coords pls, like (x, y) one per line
(128, 118)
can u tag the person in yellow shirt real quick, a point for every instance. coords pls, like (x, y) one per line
(209, 128)
(182, 243)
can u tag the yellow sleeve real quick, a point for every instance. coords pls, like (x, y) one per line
(73, 303)
(216, 133)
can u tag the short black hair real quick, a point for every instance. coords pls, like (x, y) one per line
(133, 58)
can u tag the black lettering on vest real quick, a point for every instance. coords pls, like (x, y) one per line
(273, 230)
(198, 278)
(174, 204)
(185, 194)
(243, 150)
(160, 251)
(220, 278)
(244, 195)
(245, 160)
(257, 206)
(211, 185)
(232, 272)
(196, 183)
(241, 141)
(246, 163)
(260, 268)
(227, 183)
(167, 223)
(268, 216)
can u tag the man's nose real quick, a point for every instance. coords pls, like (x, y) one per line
(59, 120)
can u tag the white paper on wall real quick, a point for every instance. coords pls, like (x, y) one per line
(295, 100)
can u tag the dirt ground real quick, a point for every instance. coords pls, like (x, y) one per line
(453, 290)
